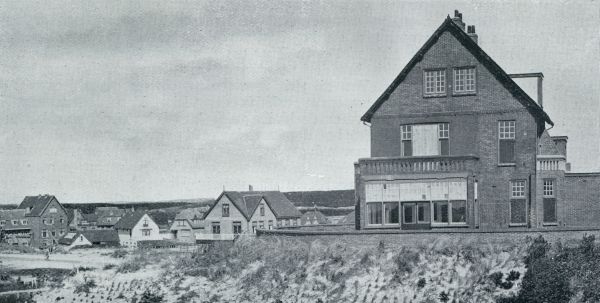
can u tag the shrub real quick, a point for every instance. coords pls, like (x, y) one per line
(421, 283)
(130, 266)
(537, 250)
(85, 287)
(119, 253)
(150, 297)
(444, 297)
(404, 263)
(513, 275)
(496, 278)
(109, 266)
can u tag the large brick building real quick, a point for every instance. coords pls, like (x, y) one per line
(455, 142)
(47, 219)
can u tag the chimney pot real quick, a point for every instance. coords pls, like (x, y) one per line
(456, 13)
(250, 188)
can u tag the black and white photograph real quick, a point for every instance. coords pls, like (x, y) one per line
(300, 151)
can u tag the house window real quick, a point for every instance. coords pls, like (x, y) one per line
(80, 238)
(52, 210)
(271, 224)
(408, 209)
(15, 222)
(44, 233)
(63, 220)
(62, 232)
(440, 211)
(225, 209)
(374, 213)
(145, 222)
(50, 221)
(262, 210)
(549, 200)
(392, 212)
(2, 222)
(423, 213)
(261, 224)
(464, 80)
(518, 203)
(459, 211)
(425, 139)
(146, 232)
(180, 223)
(506, 142)
(237, 227)
(53, 233)
(434, 82)
(24, 222)
(254, 226)
(216, 227)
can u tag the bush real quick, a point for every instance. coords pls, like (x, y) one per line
(86, 286)
(150, 297)
(130, 266)
(109, 266)
(513, 276)
(404, 263)
(421, 283)
(119, 253)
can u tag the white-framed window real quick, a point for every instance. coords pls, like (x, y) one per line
(518, 203)
(464, 80)
(146, 232)
(425, 139)
(262, 210)
(548, 188)
(237, 227)
(180, 222)
(15, 222)
(24, 222)
(53, 233)
(52, 210)
(44, 233)
(2, 222)
(434, 82)
(374, 213)
(216, 227)
(225, 210)
(506, 141)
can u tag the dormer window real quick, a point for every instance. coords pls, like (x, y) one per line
(464, 80)
(434, 82)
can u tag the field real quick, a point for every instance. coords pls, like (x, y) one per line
(274, 269)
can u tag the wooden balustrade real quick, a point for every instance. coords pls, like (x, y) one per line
(390, 166)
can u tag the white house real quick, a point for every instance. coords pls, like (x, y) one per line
(73, 239)
(235, 213)
(137, 226)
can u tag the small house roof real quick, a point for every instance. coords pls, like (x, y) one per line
(247, 202)
(312, 216)
(129, 220)
(192, 215)
(8, 215)
(101, 235)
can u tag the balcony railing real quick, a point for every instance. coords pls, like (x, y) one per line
(551, 163)
(403, 165)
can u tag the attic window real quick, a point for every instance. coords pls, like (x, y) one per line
(52, 210)
(434, 82)
(464, 80)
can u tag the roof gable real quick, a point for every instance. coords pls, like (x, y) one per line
(247, 202)
(130, 220)
(547, 145)
(37, 204)
(449, 26)
(312, 216)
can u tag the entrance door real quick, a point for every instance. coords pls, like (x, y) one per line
(416, 215)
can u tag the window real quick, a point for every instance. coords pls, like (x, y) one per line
(549, 202)
(44, 221)
(409, 213)
(24, 222)
(423, 213)
(63, 220)
(459, 211)
(443, 136)
(53, 233)
(225, 209)
(548, 188)
(262, 210)
(145, 222)
(254, 226)
(50, 221)
(391, 210)
(271, 224)
(15, 222)
(146, 232)
(406, 133)
(435, 82)
(374, 213)
(216, 227)
(506, 142)
(62, 232)
(261, 224)
(440, 211)
(464, 80)
(44, 233)
(180, 222)
(425, 139)
(2, 222)
(518, 203)
(52, 210)
(237, 228)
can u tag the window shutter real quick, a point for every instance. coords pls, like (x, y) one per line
(549, 210)
(507, 151)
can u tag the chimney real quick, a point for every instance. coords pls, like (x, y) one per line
(250, 188)
(471, 32)
(458, 19)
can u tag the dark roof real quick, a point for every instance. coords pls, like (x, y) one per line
(7, 215)
(329, 198)
(37, 204)
(547, 145)
(247, 202)
(109, 211)
(313, 215)
(89, 217)
(479, 54)
(101, 235)
(129, 220)
(69, 238)
(191, 215)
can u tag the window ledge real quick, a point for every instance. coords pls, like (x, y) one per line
(549, 224)
(464, 94)
(435, 96)
(517, 225)
(446, 225)
(507, 164)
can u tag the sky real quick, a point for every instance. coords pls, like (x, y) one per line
(158, 100)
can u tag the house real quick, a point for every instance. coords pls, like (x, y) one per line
(313, 217)
(14, 227)
(88, 221)
(456, 143)
(187, 224)
(234, 213)
(46, 217)
(108, 216)
(137, 226)
(347, 219)
(90, 238)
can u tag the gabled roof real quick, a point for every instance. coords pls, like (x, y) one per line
(479, 54)
(92, 218)
(547, 145)
(101, 235)
(192, 215)
(312, 216)
(129, 220)
(37, 204)
(109, 211)
(247, 202)
(69, 238)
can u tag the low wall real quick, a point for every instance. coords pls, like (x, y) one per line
(426, 237)
(582, 199)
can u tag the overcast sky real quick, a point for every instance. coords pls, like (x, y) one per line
(108, 101)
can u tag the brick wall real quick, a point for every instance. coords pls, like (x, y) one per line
(37, 225)
(582, 199)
